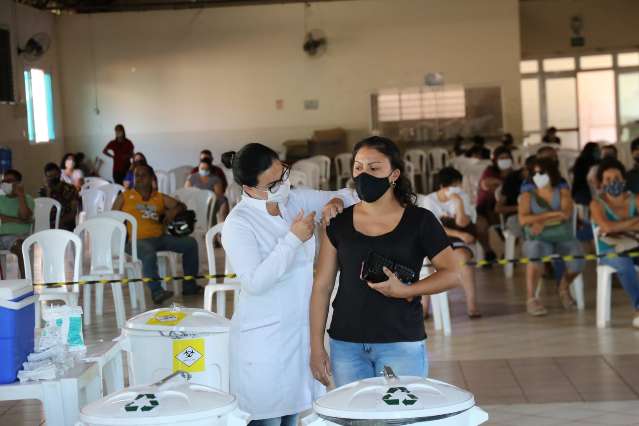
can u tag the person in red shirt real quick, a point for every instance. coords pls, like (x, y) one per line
(121, 150)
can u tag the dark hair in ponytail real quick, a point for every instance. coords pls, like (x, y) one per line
(251, 161)
(402, 189)
(227, 159)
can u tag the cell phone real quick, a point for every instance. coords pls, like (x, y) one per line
(372, 270)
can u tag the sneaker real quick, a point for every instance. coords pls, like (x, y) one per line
(566, 300)
(535, 308)
(635, 320)
(193, 290)
(160, 296)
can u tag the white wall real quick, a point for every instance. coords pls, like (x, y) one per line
(23, 22)
(184, 80)
(607, 25)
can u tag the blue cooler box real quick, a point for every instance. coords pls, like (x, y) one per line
(17, 323)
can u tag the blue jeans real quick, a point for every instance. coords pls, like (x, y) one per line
(276, 421)
(351, 362)
(625, 268)
(147, 253)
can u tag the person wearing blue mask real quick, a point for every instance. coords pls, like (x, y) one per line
(204, 179)
(269, 241)
(616, 218)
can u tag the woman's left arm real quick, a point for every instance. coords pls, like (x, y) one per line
(566, 204)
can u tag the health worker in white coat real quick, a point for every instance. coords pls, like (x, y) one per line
(268, 238)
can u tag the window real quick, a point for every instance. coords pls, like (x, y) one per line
(528, 67)
(628, 59)
(422, 103)
(39, 97)
(595, 61)
(559, 64)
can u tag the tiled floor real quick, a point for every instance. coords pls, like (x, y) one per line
(555, 370)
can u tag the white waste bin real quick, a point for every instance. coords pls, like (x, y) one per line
(175, 402)
(162, 341)
(396, 400)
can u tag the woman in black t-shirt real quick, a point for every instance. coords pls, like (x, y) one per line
(380, 324)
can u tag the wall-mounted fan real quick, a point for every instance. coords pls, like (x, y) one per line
(315, 43)
(35, 47)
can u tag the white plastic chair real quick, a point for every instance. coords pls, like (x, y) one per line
(342, 168)
(102, 232)
(53, 244)
(472, 175)
(95, 180)
(299, 179)
(201, 202)
(439, 302)
(132, 264)
(438, 158)
(419, 160)
(604, 286)
(409, 171)
(164, 185)
(324, 163)
(93, 202)
(519, 157)
(42, 213)
(92, 183)
(111, 192)
(213, 287)
(233, 194)
(178, 177)
(312, 171)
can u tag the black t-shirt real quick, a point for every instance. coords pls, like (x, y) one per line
(363, 315)
(511, 187)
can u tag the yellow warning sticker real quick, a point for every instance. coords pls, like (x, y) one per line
(167, 318)
(189, 355)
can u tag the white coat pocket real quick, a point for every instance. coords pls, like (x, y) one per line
(259, 340)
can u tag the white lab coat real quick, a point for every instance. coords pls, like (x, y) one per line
(270, 343)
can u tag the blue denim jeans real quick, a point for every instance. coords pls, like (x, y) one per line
(627, 276)
(276, 421)
(356, 361)
(147, 253)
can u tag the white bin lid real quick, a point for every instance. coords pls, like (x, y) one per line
(12, 289)
(152, 405)
(179, 319)
(402, 398)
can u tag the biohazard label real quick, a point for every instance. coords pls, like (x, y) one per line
(399, 396)
(143, 402)
(166, 318)
(189, 355)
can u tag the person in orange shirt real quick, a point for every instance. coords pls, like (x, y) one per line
(153, 211)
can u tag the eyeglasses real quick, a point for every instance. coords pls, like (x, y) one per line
(274, 186)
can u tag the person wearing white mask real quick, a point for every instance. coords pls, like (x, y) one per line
(269, 242)
(492, 178)
(16, 215)
(546, 214)
(204, 179)
(452, 206)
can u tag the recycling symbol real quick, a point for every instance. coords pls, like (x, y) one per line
(189, 356)
(398, 396)
(143, 402)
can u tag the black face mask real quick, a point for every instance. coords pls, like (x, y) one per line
(370, 188)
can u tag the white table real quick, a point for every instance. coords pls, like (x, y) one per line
(108, 356)
(61, 398)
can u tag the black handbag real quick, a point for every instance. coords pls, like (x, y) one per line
(372, 270)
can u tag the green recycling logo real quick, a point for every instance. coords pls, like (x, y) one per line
(143, 402)
(398, 396)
